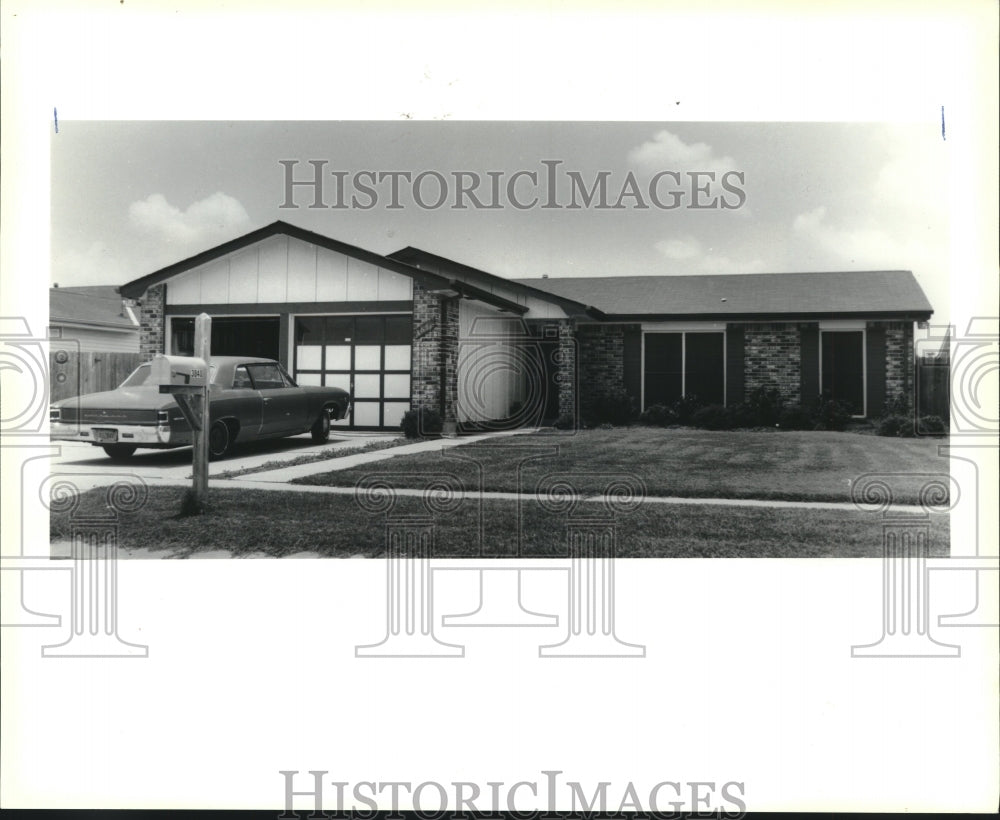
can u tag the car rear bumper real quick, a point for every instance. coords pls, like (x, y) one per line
(141, 435)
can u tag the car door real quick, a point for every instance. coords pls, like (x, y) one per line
(284, 405)
(241, 401)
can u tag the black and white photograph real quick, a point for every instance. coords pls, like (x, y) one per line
(537, 360)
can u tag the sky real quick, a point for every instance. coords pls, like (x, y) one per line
(131, 197)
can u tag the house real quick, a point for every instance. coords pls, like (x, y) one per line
(96, 317)
(413, 329)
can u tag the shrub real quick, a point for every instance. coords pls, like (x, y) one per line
(896, 425)
(658, 415)
(421, 422)
(764, 405)
(795, 417)
(616, 408)
(565, 422)
(684, 408)
(831, 414)
(896, 406)
(932, 425)
(740, 415)
(712, 417)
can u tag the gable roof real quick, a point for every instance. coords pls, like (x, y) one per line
(96, 305)
(137, 287)
(834, 294)
(449, 268)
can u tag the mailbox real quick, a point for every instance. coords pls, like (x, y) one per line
(185, 371)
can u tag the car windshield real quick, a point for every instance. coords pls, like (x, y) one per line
(140, 377)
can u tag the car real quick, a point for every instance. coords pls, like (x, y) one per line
(250, 399)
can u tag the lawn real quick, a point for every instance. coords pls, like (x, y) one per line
(779, 465)
(282, 523)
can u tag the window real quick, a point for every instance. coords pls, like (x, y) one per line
(267, 377)
(684, 363)
(842, 367)
(241, 379)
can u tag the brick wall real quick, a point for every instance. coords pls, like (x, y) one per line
(151, 321)
(898, 363)
(434, 344)
(772, 358)
(567, 375)
(602, 359)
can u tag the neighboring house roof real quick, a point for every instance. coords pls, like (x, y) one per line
(97, 306)
(838, 294)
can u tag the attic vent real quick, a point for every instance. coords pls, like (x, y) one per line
(723, 299)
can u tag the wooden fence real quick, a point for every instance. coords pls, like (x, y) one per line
(76, 374)
(933, 387)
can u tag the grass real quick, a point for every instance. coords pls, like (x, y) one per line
(775, 465)
(311, 458)
(282, 523)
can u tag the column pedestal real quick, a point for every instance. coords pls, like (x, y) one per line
(905, 607)
(94, 595)
(500, 603)
(592, 595)
(409, 595)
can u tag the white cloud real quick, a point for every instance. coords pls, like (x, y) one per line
(687, 248)
(668, 151)
(866, 246)
(697, 259)
(204, 222)
(97, 265)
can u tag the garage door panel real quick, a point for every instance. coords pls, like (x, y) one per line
(368, 355)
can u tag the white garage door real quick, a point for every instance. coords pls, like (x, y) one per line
(368, 355)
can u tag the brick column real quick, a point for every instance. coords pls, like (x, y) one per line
(602, 358)
(567, 374)
(434, 377)
(899, 362)
(152, 321)
(772, 358)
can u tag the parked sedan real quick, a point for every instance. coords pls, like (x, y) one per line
(250, 399)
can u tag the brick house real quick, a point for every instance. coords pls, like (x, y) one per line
(414, 329)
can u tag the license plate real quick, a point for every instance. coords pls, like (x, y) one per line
(105, 434)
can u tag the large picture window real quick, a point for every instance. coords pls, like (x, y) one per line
(684, 363)
(842, 367)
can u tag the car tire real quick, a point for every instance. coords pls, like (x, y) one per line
(220, 441)
(321, 428)
(119, 452)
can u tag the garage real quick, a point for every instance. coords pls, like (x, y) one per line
(231, 336)
(367, 355)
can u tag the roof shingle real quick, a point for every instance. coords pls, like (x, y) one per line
(845, 292)
(97, 304)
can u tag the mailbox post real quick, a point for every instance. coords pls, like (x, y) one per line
(187, 378)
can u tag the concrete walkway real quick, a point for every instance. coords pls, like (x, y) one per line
(281, 475)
